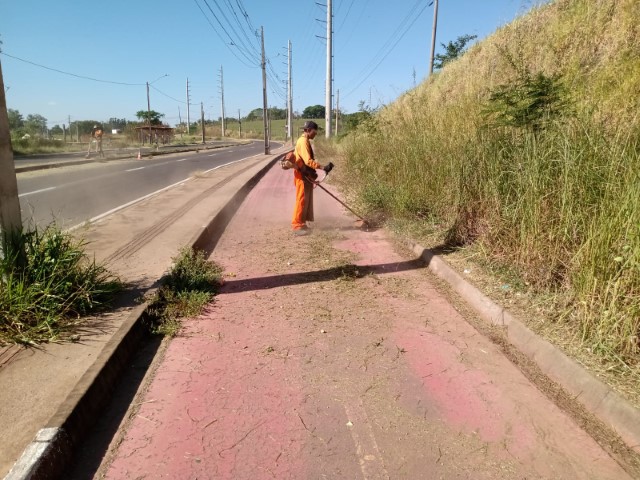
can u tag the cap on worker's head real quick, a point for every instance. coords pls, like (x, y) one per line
(310, 125)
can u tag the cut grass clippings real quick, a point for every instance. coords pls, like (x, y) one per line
(46, 298)
(190, 285)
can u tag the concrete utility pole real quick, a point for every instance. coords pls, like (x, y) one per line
(148, 113)
(433, 35)
(222, 97)
(337, 109)
(188, 110)
(328, 99)
(264, 96)
(202, 121)
(290, 100)
(10, 217)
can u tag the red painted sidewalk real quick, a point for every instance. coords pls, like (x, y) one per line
(333, 356)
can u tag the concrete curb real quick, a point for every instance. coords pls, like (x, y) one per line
(595, 396)
(48, 455)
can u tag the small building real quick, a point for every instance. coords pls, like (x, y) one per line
(159, 134)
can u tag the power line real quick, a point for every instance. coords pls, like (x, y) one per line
(84, 77)
(223, 40)
(387, 43)
(238, 42)
(169, 96)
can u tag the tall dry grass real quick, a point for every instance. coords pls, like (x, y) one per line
(557, 197)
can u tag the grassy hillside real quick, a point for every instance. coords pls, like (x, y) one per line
(529, 146)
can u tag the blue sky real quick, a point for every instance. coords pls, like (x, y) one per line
(136, 41)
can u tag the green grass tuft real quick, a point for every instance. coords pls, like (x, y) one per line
(187, 289)
(44, 300)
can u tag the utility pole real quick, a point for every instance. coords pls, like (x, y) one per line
(269, 122)
(433, 35)
(290, 100)
(188, 111)
(222, 97)
(327, 101)
(202, 121)
(239, 125)
(10, 216)
(148, 113)
(337, 109)
(264, 96)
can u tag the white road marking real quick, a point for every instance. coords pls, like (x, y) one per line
(134, 169)
(37, 191)
(369, 456)
(212, 155)
(181, 160)
(132, 202)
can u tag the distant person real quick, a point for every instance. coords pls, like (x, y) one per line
(304, 176)
(96, 134)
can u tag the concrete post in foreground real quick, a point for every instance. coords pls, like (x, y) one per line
(10, 217)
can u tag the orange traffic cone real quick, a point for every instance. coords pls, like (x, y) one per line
(139, 156)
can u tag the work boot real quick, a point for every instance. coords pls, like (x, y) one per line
(301, 232)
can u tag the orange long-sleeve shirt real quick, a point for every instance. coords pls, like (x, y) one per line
(304, 153)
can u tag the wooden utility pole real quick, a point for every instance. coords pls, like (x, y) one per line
(188, 110)
(202, 121)
(10, 216)
(328, 99)
(290, 100)
(239, 125)
(433, 35)
(264, 96)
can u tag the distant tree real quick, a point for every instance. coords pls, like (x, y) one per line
(314, 111)
(15, 119)
(352, 120)
(452, 50)
(83, 126)
(116, 123)
(35, 124)
(277, 113)
(254, 114)
(153, 116)
(56, 130)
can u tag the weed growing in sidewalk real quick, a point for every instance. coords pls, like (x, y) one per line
(58, 284)
(190, 285)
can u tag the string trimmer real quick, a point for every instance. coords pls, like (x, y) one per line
(286, 164)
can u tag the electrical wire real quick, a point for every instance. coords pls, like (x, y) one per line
(415, 18)
(238, 42)
(84, 77)
(223, 40)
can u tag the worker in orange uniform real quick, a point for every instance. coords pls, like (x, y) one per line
(304, 175)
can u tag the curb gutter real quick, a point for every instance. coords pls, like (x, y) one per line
(47, 456)
(598, 398)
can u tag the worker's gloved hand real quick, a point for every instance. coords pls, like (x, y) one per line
(327, 168)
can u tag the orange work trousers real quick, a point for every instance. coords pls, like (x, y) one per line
(303, 209)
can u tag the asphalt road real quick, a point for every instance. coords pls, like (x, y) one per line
(72, 195)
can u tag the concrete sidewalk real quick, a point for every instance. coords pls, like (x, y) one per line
(335, 356)
(42, 388)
